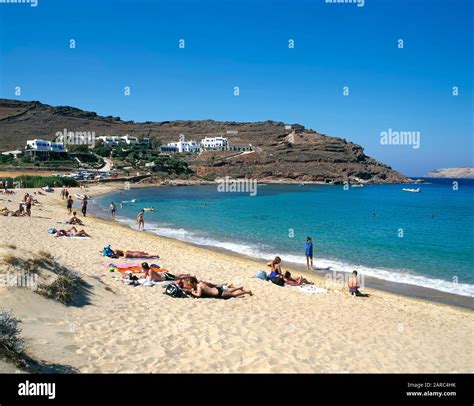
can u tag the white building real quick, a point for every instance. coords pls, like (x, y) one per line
(108, 140)
(219, 143)
(38, 145)
(129, 140)
(190, 147)
(113, 141)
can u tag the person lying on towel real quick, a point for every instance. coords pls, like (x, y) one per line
(200, 289)
(154, 276)
(72, 232)
(128, 253)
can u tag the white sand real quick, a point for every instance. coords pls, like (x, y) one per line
(138, 329)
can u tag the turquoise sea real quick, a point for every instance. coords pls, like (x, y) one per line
(424, 239)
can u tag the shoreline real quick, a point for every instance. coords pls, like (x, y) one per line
(397, 288)
(118, 328)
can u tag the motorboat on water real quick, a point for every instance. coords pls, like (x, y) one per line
(412, 190)
(80, 196)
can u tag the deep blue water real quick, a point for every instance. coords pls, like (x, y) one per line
(424, 239)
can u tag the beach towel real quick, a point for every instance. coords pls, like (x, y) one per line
(146, 283)
(74, 237)
(309, 289)
(135, 268)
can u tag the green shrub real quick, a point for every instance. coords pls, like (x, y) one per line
(209, 177)
(28, 181)
(11, 344)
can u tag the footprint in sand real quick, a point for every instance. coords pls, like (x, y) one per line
(65, 334)
(72, 348)
(47, 320)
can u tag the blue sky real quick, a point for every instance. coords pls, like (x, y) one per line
(245, 43)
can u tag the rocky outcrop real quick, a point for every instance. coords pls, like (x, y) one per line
(280, 151)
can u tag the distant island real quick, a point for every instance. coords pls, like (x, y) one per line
(461, 173)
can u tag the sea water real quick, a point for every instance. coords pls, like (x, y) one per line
(424, 239)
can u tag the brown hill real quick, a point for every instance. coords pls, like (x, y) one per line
(303, 155)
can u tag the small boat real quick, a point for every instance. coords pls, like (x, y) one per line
(417, 190)
(149, 209)
(358, 185)
(81, 196)
(129, 201)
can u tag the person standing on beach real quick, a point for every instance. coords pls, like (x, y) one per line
(308, 251)
(69, 203)
(113, 209)
(66, 193)
(29, 203)
(140, 220)
(84, 206)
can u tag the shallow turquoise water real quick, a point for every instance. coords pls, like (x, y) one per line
(425, 238)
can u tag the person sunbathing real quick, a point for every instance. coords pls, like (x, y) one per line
(154, 276)
(17, 213)
(133, 254)
(72, 232)
(226, 286)
(75, 220)
(297, 281)
(203, 290)
(275, 266)
(5, 212)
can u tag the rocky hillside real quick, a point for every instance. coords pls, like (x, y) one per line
(298, 154)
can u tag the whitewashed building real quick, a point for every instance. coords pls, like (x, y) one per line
(190, 147)
(38, 147)
(129, 140)
(109, 140)
(219, 143)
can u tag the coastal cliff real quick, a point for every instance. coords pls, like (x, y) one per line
(281, 151)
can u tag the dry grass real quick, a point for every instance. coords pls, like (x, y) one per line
(64, 285)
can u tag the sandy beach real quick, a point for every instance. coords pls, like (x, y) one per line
(119, 328)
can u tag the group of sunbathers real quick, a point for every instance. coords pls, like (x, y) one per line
(281, 278)
(24, 208)
(190, 284)
(13, 213)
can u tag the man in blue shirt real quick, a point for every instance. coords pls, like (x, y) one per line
(308, 251)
